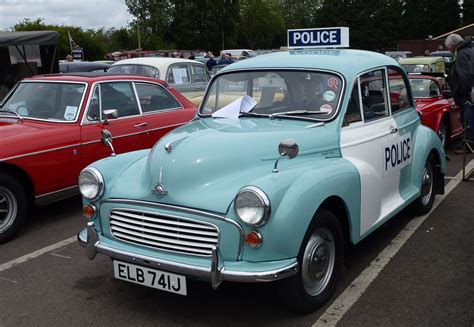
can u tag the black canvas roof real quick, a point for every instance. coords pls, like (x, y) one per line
(32, 37)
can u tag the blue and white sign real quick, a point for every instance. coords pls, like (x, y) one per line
(329, 37)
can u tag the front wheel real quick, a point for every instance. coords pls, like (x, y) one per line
(320, 262)
(424, 203)
(13, 206)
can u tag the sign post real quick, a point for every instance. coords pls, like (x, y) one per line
(328, 37)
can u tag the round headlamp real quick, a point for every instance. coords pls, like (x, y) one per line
(252, 206)
(91, 183)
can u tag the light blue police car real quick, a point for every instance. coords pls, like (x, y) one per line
(292, 155)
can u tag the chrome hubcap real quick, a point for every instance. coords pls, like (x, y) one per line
(427, 185)
(8, 209)
(318, 261)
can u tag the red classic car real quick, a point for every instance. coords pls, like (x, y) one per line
(436, 106)
(52, 126)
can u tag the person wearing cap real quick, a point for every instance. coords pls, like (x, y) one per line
(461, 80)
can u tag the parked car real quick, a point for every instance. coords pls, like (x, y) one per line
(238, 54)
(189, 77)
(50, 129)
(423, 65)
(83, 66)
(397, 55)
(267, 186)
(436, 107)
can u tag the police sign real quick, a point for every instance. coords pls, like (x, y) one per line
(319, 37)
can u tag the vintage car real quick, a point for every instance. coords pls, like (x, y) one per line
(238, 54)
(189, 77)
(83, 66)
(292, 157)
(50, 129)
(397, 55)
(423, 65)
(436, 107)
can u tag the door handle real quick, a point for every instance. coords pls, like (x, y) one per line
(141, 125)
(393, 130)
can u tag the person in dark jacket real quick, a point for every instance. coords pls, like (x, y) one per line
(211, 62)
(461, 80)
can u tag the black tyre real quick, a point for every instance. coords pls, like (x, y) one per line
(13, 206)
(320, 261)
(442, 133)
(424, 202)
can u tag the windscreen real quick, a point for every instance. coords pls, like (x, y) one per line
(46, 100)
(308, 94)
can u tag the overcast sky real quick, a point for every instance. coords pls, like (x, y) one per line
(83, 13)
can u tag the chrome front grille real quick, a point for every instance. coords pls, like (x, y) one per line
(164, 232)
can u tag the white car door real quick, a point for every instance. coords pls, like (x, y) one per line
(368, 131)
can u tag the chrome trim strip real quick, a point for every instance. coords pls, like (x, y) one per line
(40, 152)
(186, 210)
(216, 273)
(46, 198)
(141, 132)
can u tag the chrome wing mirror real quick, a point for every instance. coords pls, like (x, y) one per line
(108, 114)
(287, 148)
(107, 140)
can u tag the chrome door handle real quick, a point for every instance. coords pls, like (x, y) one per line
(140, 125)
(394, 130)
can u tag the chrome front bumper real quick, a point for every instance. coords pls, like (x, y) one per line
(216, 273)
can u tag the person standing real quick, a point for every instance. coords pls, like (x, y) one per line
(461, 80)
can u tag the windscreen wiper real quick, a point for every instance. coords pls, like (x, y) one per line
(296, 113)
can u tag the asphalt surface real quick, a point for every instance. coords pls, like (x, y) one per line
(429, 282)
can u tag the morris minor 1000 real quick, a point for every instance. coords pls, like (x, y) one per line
(294, 155)
(50, 129)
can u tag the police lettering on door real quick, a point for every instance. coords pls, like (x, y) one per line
(397, 154)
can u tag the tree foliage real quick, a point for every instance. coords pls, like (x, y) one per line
(262, 24)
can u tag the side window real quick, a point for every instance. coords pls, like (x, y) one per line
(374, 95)
(353, 113)
(198, 74)
(153, 98)
(399, 98)
(93, 112)
(120, 96)
(178, 74)
(149, 71)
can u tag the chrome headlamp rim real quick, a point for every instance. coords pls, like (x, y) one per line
(100, 182)
(262, 197)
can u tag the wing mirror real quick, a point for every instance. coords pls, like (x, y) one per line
(109, 114)
(287, 148)
(106, 138)
(447, 93)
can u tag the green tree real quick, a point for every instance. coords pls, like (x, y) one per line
(261, 24)
(467, 12)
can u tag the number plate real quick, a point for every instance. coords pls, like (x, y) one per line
(150, 277)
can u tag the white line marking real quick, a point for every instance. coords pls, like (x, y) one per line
(9, 280)
(60, 255)
(37, 253)
(353, 292)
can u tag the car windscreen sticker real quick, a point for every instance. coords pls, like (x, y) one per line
(326, 108)
(332, 83)
(329, 96)
(397, 154)
(70, 112)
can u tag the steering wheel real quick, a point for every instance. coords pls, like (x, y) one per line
(22, 110)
